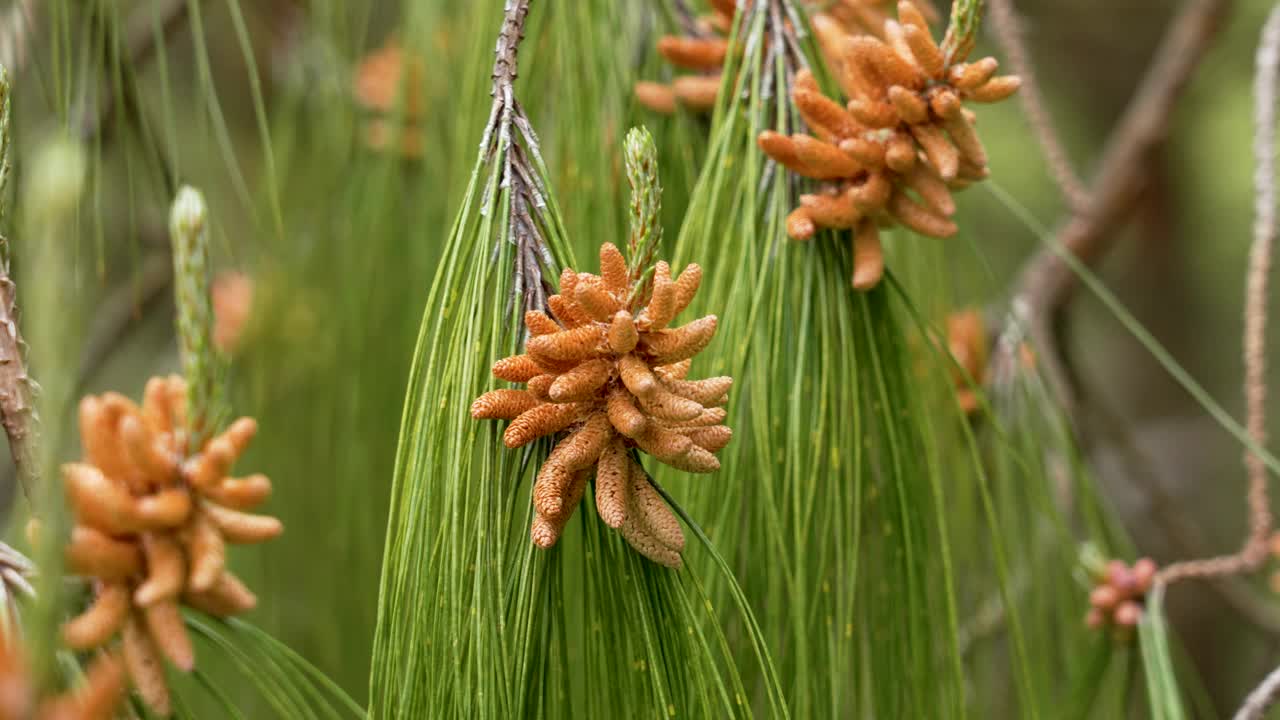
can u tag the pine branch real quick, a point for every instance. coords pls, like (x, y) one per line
(1047, 281)
(1261, 699)
(1253, 552)
(17, 389)
(1008, 32)
(509, 135)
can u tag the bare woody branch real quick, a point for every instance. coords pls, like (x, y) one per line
(17, 390)
(1261, 699)
(1047, 281)
(1254, 550)
(1008, 31)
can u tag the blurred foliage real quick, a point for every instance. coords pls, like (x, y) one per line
(900, 560)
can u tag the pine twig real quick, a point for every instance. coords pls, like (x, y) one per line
(17, 389)
(1009, 32)
(1261, 699)
(509, 135)
(1254, 550)
(1255, 317)
(1047, 282)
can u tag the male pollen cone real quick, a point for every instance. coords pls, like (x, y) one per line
(608, 372)
(897, 149)
(152, 522)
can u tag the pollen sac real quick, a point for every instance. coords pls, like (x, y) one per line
(610, 381)
(153, 516)
(901, 144)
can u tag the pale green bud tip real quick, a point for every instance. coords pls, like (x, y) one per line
(189, 213)
(57, 178)
(639, 146)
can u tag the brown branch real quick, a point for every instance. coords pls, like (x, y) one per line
(1047, 281)
(505, 65)
(17, 390)
(142, 42)
(1255, 314)
(1183, 533)
(1008, 31)
(1254, 550)
(1261, 699)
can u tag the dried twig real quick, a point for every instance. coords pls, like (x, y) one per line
(1008, 31)
(17, 390)
(1255, 315)
(1261, 699)
(1047, 281)
(1254, 550)
(509, 136)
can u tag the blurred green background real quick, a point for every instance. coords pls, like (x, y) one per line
(341, 241)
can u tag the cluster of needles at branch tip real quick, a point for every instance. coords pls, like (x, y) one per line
(152, 521)
(702, 48)
(96, 699)
(895, 152)
(607, 372)
(389, 81)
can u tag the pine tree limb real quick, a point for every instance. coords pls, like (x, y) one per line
(1047, 282)
(1253, 552)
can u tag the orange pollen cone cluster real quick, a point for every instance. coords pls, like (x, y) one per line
(705, 53)
(967, 343)
(96, 698)
(389, 81)
(611, 375)
(895, 152)
(151, 527)
(1117, 597)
